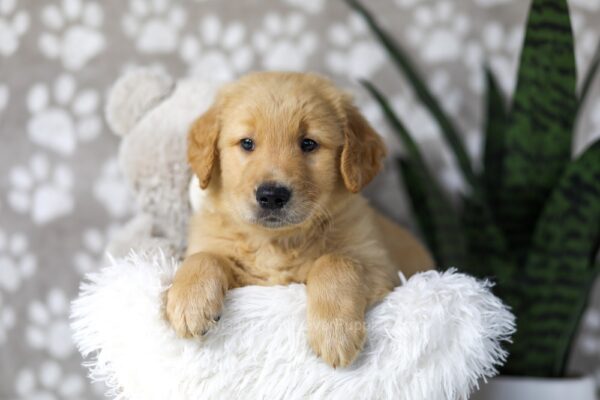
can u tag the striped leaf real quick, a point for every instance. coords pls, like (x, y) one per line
(495, 129)
(403, 63)
(539, 132)
(488, 253)
(437, 220)
(558, 270)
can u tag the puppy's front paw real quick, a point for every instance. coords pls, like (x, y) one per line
(193, 307)
(337, 341)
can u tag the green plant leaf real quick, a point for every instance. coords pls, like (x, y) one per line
(402, 61)
(539, 132)
(488, 255)
(437, 219)
(559, 269)
(495, 129)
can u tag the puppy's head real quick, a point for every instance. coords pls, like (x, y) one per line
(278, 147)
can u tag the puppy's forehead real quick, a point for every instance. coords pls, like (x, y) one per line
(289, 97)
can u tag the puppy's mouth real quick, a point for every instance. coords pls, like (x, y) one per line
(274, 219)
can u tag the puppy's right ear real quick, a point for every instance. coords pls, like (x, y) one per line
(202, 145)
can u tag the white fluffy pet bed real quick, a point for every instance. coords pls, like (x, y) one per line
(433, 338)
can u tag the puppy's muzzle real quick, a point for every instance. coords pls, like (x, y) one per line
(272, 196)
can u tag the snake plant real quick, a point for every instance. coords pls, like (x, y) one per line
(531, 218)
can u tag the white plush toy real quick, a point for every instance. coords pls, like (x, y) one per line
(433, 338)
(153, 113)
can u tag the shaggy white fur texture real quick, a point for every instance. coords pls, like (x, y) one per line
(433, 338)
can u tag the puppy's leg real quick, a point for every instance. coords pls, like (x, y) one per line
(195, 299)
(336, 309)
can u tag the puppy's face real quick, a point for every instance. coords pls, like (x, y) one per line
(279, 145)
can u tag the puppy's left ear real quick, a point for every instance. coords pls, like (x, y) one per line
(363, 150)
(202, 149)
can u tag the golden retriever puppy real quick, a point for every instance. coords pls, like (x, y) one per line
(282, 157)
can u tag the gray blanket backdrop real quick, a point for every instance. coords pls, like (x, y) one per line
(60, 189)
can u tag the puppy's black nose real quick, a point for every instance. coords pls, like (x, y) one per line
(271, 196)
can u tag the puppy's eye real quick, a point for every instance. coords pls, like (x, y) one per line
(247, 144)
(308, 145)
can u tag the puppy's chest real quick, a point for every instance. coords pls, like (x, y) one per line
(271, 264)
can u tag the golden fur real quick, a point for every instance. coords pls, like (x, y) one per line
(327, 236)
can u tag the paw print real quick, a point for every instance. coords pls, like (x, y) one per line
(111, 190)
(49, 382)
(425, 132)
(492, 3)
(416, 117)
(594, 116)
(438, 32)
(41, 191)
(154, 24)
(588, 5)
(7, 319)
(16, 262)
(62, 115)
(355, 54)
(73, 33)
(4, 96)
(48, 327)
(94, 242)
(502, 46)
(589, 341)
(13, 25)
(219, 52)
(586, 35)
(310, 6)
(407, 3)
(284, 43)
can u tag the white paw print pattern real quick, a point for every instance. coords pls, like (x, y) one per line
(111, 190)
(40, 190)
(48, 382)
(310, 6)
(424, 130)
(73, 33)
(502, 46)
(589, 5)
(354, 54)
(586, 38)
(13, 24)
(589, 342)
(594, 118)
(62, 115)
(94, 243)
(16, 262)
(48, 327)
(8, 319)
(492, 3)
(438, 32)
(417, 120)
(155, 25)
(407, 3)
(284, 43)
(219, 52)
(450, 97)
(4, 96)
